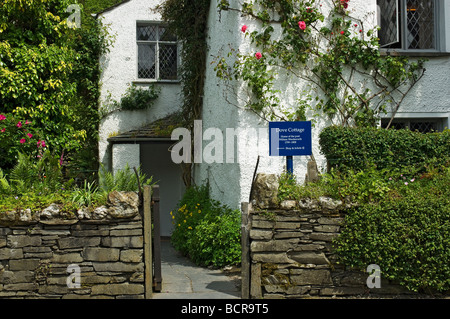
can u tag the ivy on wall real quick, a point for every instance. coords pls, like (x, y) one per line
(320, 42)
(187, 19)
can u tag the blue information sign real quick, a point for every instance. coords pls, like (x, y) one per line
(290, 138)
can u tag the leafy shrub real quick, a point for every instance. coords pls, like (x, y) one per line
(288, 188)
(216, 239)
(205, 230)
(43, 175)
(134, 99)
(407, 236)
(138, 99)
(122, 180)
(357, 148)
(401, 221)
(88, 195)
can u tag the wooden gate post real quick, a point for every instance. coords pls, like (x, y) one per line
(148, 259)
(245, 247)
(157, 238)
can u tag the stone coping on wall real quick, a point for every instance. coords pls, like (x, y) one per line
(120, 206)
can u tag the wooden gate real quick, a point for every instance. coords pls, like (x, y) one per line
(152, 240)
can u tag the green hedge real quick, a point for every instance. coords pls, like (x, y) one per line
(358, 148)
(407, 234)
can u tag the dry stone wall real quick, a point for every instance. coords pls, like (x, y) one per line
(39, 251)
(291, 251)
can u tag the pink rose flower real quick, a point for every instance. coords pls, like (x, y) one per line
(41, 143)
(2, 117)
(258, 55)
(22, 141)
(19, 125)
(302, 25)
(244, 28)
(30, 135)
(344, 3)
(3, 130)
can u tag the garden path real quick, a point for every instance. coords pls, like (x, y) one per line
(182, 279)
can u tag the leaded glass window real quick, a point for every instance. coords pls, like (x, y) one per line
(408, 24)
(426, 125)
(157, 52)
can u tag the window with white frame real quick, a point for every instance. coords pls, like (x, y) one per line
(409, 24)
(157, 52)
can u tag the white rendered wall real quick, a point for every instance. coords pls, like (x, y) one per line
(230, 183)
(123, 154)
(119, 68)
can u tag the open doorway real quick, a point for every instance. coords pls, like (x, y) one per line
(156, 161)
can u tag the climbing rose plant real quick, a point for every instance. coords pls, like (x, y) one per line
(335, 55)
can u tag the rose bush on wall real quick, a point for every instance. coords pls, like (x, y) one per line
(321, 44)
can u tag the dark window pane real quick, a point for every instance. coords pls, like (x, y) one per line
(168, 61)
(146, 32)
(165, 35)
(424, 127)
(420, 24)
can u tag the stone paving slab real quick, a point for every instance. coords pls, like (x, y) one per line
(182, 279)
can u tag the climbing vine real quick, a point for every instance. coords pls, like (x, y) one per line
(337, 55)
(187, 19)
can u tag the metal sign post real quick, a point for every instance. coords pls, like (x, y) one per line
(290, 164)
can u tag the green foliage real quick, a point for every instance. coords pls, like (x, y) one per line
(88, 195)
(36, 201)
(16, 135)
(138, 99)
(5, 188)
(50, 76)
(122, 180)
(217, 240)
(288, 186)
(134, 99)
(358, 148)
(408, 235)
(188, 19)
(90, 42)
(399, 220)
(36, 62)
(43, 175)
(205, 230)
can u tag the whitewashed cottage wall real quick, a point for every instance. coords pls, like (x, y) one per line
(231, 183)
(120, 71)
